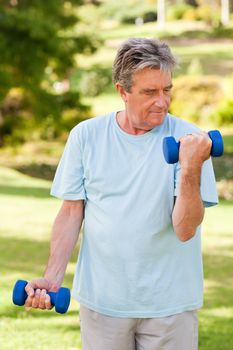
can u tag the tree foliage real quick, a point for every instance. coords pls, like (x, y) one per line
(38, 45)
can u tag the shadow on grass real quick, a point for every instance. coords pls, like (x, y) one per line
(18, 312)
(35, 192)
(41, 171)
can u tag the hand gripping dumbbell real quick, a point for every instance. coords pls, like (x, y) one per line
(59, 299)
(171, 147)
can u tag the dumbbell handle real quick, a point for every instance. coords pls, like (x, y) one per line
(171, 147)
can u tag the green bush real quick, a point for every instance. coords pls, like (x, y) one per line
(203, 99)
(195, 97)
(207, 14)
(21, 120)
(222, 32)
(178, 11)
(224, 112)
(93, 81)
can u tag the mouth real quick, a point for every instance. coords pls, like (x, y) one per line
(157, 112)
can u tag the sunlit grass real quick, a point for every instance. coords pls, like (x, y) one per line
(216, 318)
(27, 213)
(148, 29)
(105, 103)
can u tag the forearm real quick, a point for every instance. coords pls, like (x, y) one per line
(188, 210)
(65, 234)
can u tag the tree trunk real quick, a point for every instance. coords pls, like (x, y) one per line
(161, 14)
(225, 12)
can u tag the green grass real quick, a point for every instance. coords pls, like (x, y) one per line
(27, 213)
(216, 318)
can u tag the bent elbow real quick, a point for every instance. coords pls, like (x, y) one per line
(185, 235)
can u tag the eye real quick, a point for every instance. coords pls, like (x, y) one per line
(168, 89)
(149, 93)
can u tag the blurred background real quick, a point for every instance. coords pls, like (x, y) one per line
(55, 71)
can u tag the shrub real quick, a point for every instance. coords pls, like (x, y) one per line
(195, 97)
(207, 14)
(92, 81)
(178, 11)
(224, 112)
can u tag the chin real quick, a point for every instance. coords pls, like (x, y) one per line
(157, 122)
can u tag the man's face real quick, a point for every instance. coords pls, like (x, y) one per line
(149, 98)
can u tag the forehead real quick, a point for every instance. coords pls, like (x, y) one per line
(151, 78)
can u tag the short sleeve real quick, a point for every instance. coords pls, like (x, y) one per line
(208, 183)
(68, 183)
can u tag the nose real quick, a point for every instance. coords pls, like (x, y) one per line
(160, 100)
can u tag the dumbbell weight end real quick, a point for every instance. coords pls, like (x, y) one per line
(217, 148)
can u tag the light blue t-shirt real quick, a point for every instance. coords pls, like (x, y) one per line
(131, 264)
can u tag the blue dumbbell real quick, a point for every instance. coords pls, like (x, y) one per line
(171, 147)
(60, 299)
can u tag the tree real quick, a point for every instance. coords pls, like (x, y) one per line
(38, 45)
(161, 14)
(225, 12)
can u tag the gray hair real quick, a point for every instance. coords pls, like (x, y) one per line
(139, 53)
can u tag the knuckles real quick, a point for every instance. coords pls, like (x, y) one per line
(197, 145)
(40, 300)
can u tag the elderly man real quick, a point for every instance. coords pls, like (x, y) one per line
(139, 277)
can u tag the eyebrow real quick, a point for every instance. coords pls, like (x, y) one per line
(153, 90)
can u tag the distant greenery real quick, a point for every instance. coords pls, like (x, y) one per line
(202, 99)
(38, 48)
(129, 11)
(55, 53)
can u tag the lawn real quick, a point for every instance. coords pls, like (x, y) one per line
(27, 212)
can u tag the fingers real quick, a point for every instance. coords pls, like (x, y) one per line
(200, 139)
(48, 304)
(29, 290)
(194, 149)
(40, 300)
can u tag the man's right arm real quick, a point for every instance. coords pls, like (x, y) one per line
(65, 234)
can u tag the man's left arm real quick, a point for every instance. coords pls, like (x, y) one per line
(188, 211)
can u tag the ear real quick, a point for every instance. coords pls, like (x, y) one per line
(121, 91)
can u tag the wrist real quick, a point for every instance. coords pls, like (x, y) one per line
(53, 285)
(191, 168)
(191, 177)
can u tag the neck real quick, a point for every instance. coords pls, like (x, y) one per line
(124, 123)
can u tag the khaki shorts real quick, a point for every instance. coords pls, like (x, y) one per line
(101, 332)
